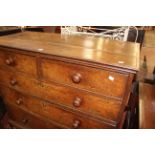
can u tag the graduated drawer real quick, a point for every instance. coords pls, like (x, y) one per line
(27, 120)
(97, 80)
(49, 111)
(18, 61)
(97, 106)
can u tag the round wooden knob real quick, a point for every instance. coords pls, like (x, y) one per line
(77, 102)
(19, 101)
(76, 124)
(24, 121)
(76, 78)
(9, 61)
(13, 82)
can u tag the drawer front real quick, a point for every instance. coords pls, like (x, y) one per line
(19, 62)
(101, 81)
(2, 58)
(14, 125)
(26, 120)
(49, 111)
(72, 98)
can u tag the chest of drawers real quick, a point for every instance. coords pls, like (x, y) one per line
(53, 81)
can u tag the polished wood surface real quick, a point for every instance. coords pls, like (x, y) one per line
(101, 81)
(48, 111)
(71, 82)
(94, 49)
(90, 105)
(18, 61)
(147, 106)
(26, 120)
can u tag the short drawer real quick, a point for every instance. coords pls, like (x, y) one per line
(54, 113)
(97, 106)
(97, 80)
(26, 120)
(19, 62)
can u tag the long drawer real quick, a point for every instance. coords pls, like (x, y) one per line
(26, 120)
(96, 106)
(97, 80)
(51, 112)
(18, 61)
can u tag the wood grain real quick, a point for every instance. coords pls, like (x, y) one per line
(26, 120)
(94, 49)
(20, 62)
(51, 112)
(147, 106)
(101, 81)
(66, 81)
(94, 105)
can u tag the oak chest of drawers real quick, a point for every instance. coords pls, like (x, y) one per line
(53, 81)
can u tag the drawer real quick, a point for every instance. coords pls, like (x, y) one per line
(20, 62)
(26, 120)
(81, 101)
(2, 57)
(97, 80)
(14, 125)
(52, 112)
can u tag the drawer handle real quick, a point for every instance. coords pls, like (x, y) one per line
(19, 101)
(9, 62)
(24, 121)
(13, 82)
(76, 124)
(77, 102)
(76, 78)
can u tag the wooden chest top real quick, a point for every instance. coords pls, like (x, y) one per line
(123, 55)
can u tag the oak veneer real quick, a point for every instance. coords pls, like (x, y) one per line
(101, 81)
(18, 61)
(66, 81)
(27, 120)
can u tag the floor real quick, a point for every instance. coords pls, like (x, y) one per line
(147, 51)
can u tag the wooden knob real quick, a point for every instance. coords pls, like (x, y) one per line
(24, 121)
(19, 101)
(13, 82)
(76, 78)
(76, 124)
(9, 61)
(77, 102)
